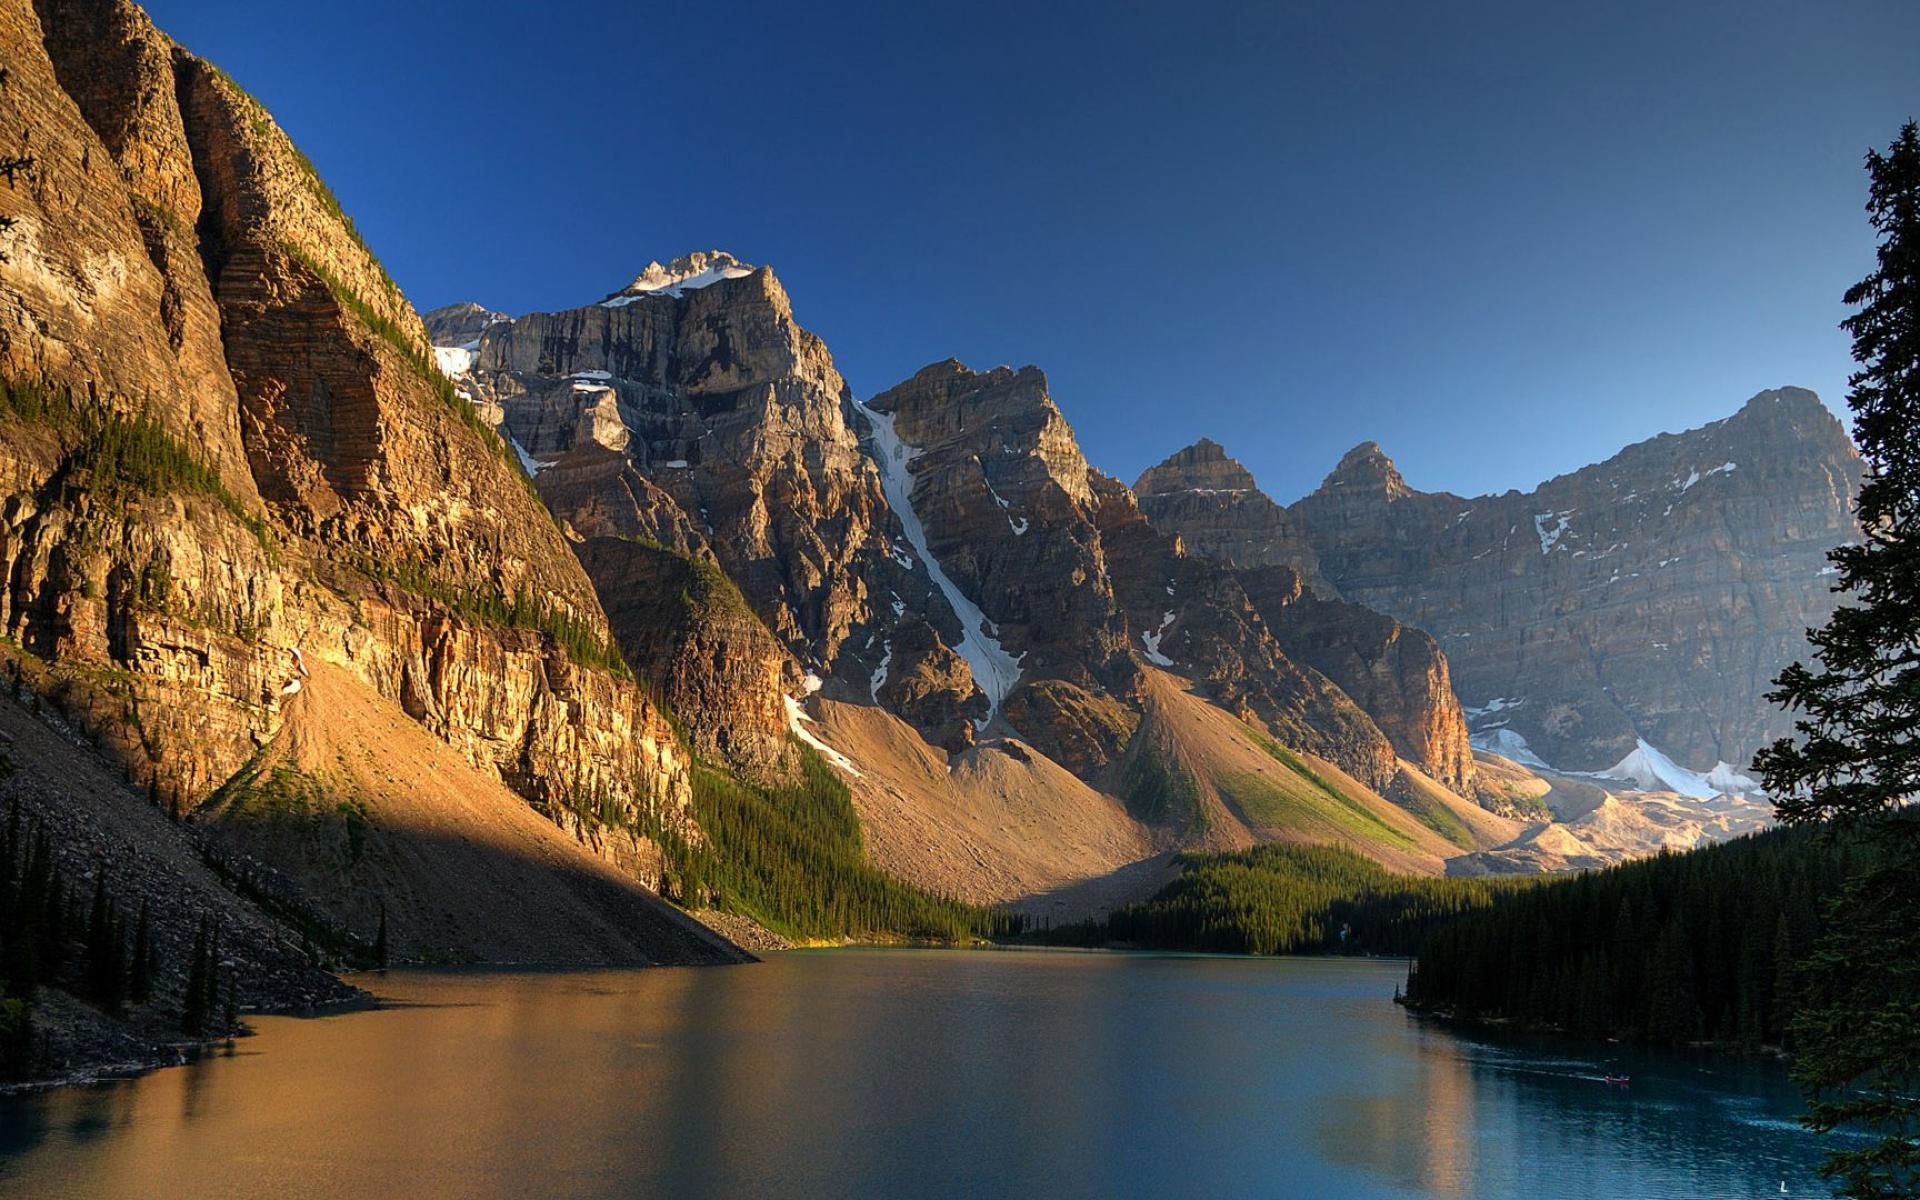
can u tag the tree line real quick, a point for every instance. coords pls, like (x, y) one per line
(1286, 899)
(1675, 949)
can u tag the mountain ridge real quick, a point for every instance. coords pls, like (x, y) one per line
(1727, 590)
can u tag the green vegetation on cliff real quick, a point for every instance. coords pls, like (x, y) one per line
(583, 644)
(1310, 797)
(415, 356)
(122, 454)
(791, 857)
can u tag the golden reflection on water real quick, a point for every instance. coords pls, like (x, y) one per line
(885, 1074)
(1414, 1126)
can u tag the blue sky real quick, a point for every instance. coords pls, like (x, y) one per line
(1500, 239)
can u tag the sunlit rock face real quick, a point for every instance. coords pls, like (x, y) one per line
(298, 478)
(1651, 597)
(692, 412)
(1394, 673)
(1077, 590)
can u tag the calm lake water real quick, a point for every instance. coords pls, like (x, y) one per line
(909, 1073)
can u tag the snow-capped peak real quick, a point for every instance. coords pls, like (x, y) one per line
(700, 269)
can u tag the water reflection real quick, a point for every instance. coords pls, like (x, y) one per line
(908, 1073)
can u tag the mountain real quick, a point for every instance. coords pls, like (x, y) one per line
(941, 552)
(691, 413)
(1075, 589)
(1213, 504)
(483, 629)
(1395, 673)
(1628, 617)
(236, 490)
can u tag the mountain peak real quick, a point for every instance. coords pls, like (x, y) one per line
(461, 323)
(1795, 405)
(686, 273)
(1366, 467)
(1788, 416)
(1203, 466)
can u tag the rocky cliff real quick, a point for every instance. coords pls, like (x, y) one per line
(1069, 584)
(1648, 599)
(690, 410)
(1394, 673)
(227, 457)
(943, 551)
(1218, 512)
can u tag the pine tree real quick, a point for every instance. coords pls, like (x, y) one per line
(106, 967)
(140, 972)
(1857, 756)
(193, 1011)
(1673, 1010)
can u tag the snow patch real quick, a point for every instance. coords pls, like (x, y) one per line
(454, 361)
(1652, 770)
(528, 463)
(674, 285)
(1695, 476)
(798, 720)
(994, 670)
(1549, 538)
(1498, 704)
(1508, 744)
(1152, 640)
(1729, 778)
(879, 679)
(1017, 524)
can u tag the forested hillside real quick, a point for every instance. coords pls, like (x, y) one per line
(1288, 899)
(791, 857)
(1680, 948)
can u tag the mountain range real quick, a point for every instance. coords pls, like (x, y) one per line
(442, 625)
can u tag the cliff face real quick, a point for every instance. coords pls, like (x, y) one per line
(1218, 512)
(1652, 597)
(683, 624)
(1075, 589)
(1394, 673)
(691, 411)
(227, 456)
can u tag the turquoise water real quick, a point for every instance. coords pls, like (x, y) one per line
(910, 1073)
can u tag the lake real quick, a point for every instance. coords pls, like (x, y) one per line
(907, 1073)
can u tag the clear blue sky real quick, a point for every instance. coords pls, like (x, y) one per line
(1502, 240)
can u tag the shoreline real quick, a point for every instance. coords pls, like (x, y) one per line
(1508, 1025)
(160, 1056)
